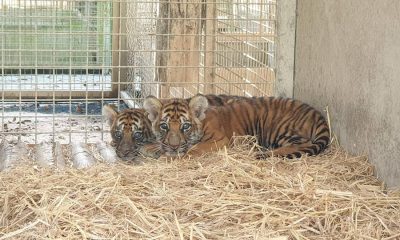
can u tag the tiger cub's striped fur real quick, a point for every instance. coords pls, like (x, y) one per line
(285, 127)
(131, 133)
(131, 129)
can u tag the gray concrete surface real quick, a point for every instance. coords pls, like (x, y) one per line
(348, 58)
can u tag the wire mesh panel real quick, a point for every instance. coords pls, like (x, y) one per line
(245, 47)
(62, 60)
(56, 63)
(55, 45)
(219, 46)
(141, 40)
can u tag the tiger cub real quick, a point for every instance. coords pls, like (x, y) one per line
(283, 126)
(131, 129)
(131, 133)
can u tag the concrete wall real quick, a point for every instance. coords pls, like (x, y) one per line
(348, 58)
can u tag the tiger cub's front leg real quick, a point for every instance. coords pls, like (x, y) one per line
(151, 150)
(208, 146)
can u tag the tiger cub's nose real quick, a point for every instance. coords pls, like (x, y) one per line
(174, 147)
(174, 141)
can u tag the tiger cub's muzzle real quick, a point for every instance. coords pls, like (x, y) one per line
(126, 148)
(174, 140)
(127, 151)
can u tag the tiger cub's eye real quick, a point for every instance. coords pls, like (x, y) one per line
(164, 126)
(186, 126)
(118, 134)
(138, 135)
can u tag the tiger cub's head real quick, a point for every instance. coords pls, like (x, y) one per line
(176, 123)
(130, 131)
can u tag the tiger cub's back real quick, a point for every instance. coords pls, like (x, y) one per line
(287, 126)
(220, 100)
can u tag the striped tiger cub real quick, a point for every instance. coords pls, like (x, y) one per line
(131, 133)
(131, 129)
(283, 126)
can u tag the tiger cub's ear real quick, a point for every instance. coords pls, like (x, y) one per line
(198, 106)
(152, 105)
(110, 113)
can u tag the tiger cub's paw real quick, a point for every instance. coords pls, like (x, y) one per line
(152, 150)
(263, 155)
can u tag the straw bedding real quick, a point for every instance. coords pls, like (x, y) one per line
(225, 195)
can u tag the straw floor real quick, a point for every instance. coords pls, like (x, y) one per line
(225, 195)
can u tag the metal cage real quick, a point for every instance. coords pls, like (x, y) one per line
(61, 60)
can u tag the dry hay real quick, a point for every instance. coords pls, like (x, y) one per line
(226, 195)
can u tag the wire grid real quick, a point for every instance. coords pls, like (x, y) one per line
(62, 60)
(54, 55)
(223, 46)
(245, 53)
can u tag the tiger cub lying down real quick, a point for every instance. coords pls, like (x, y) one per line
(131, 129)
(284, 127)
(131, 133)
